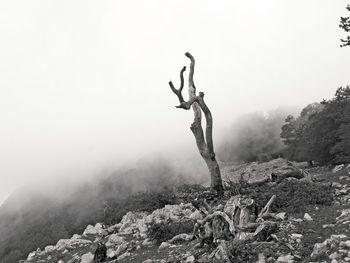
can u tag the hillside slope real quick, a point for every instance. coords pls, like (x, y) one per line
(316, 229)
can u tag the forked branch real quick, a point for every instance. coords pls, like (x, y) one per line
(204, 142)
(178, 92)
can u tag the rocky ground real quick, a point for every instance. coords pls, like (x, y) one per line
(320, 234)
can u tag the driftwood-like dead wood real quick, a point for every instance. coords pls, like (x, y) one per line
(204, 141)
(266, 208)
(223, 215)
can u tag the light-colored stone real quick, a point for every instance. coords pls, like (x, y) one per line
(281, 216)
(285, 259)
(114, 240)
(181, 237)
(147, 242)
(307, 217)
(328, 225)
(190, 259)
(87, 258)
(345, 244)
(121, 257)
(334, 255)
(337, 168)
(337, 185)
(296, 236)
(31, 256)
(319, 248)
(164, 245)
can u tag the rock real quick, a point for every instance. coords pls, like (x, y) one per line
(297, 220)
(111, 253)
(31, 256)
(345, 244)
(296, 236)
(87, 258)
(164, 245)
(98, 229)
(49, 249)
(63, 244)
(181, 237)
(337, 185)
(281, 216)
(261, 258)
(319, 249)
(121, 257)
(122, 248)
(147, 242)
(337, 168)
(190, 259)
(334, 255)
(196, 215)
(307, 217)
(89, 230)
(344, 213)
(76, 236)
(344, 177)
(338, 238)
(285, 259)
(115, 240)
(328, 225)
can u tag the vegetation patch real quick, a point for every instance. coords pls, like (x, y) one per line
(292, 196)
(166, 230)
(144, 201)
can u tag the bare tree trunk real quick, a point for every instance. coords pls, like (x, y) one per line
(204, 141)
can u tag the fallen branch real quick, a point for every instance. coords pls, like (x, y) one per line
(223, 215)
(266, 208)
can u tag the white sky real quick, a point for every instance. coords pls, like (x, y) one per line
(83, 84)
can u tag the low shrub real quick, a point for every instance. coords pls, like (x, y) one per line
(144, 201)
(166, 230)
(291, 196)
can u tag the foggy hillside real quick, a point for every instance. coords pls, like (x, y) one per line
(41, 214)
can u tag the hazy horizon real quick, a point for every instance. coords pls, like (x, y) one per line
(84, 84)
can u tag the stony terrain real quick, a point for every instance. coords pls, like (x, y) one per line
(321, 234)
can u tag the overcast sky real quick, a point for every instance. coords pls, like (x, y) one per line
(84, 84)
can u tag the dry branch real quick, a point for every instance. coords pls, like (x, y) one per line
(266, 208)
(204, 141)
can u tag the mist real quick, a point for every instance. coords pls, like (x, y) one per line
(84, 84)
(255, 136)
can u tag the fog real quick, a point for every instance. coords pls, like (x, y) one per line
(84, 84)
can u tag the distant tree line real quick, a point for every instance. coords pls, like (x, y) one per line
(255, 137)
(322, 131)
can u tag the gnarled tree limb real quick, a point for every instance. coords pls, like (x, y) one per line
(204, 141)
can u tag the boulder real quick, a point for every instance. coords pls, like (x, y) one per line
(115, 240)
(319, 249)
(98, 229)
(87, 258)
(337, 168)
(31, 256)
(256, 172)
(63, 244)
(164, 245)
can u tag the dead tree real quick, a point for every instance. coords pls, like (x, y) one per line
(204, 141)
